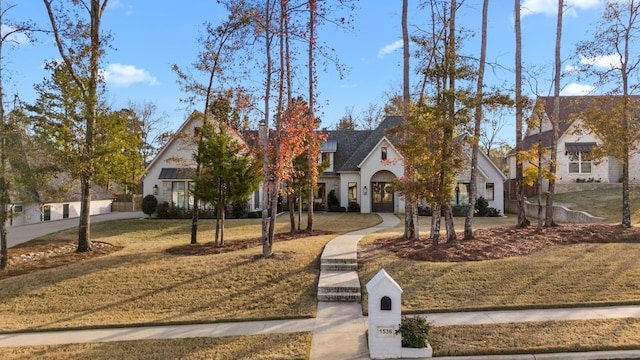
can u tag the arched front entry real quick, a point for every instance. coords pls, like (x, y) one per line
(382, 196)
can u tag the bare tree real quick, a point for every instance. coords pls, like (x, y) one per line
(522, 217)
(410, 212)
(548, 220)
(475, 147)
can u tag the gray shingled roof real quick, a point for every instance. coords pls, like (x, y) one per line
(570, 108)
(355, 145)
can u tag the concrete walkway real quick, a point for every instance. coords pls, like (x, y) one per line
(339, 327)
(23, 233)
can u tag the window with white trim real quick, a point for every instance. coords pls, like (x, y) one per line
(489, 192)
(579, 162)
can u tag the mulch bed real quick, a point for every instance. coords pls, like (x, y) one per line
(503, 242)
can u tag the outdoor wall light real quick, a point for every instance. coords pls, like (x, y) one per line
(365, 190)
(155, 189)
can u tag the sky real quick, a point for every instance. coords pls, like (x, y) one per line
(149, 36)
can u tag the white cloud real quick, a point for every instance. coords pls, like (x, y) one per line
(17, 38)
(125, 75)
(577, 89)
(571, 68)
(388, 49)
(550, 7)
(116, 4)
(610, 61)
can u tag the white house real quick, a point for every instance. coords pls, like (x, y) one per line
(41, 205)
(575, 165)
(169, 174)
(362, 167)
(47, 199)
(364, 163)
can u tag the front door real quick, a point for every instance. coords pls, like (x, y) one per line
(46, 213)
(381, 197)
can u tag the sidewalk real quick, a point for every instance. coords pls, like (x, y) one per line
(339, 327)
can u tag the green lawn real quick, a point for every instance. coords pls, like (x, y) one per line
(606, 203)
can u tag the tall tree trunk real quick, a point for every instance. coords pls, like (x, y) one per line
(626, 115)
(410, 218)
(475, 148)
(195, 214)
(312, 39)
(4, 183)
(522, 217)
(449, 129)
(216, 242)
(4, 193)
(292, 212)
(267, 241)
(84, 228)
(223, 215)
(434, 235)
(548, 220)
(300, 203)
(539, 180)
(448, 222)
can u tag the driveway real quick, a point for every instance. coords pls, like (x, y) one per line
(23, 233)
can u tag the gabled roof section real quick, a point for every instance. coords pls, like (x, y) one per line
(195, 116)
(373, 137)
(570, 108)
(370, 153)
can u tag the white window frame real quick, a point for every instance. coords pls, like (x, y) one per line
(578, 165)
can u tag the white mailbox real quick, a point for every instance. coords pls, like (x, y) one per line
(384, 317)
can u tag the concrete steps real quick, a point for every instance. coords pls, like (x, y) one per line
(339, 280)
(333, 264)
(339, 286)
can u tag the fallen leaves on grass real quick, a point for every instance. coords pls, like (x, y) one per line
(506, 241)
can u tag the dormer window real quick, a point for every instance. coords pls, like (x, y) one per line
(327, 151)
(383, 154)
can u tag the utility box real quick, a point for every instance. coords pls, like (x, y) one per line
(384, 317)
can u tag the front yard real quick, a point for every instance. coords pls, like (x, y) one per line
(140, 282)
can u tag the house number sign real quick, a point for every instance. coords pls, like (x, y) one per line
(386, 331)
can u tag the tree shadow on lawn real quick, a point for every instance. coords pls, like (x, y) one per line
(208, 248)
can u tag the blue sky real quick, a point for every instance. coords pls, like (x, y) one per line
(150, 36)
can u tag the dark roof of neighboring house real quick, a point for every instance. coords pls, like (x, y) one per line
(570, 108)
